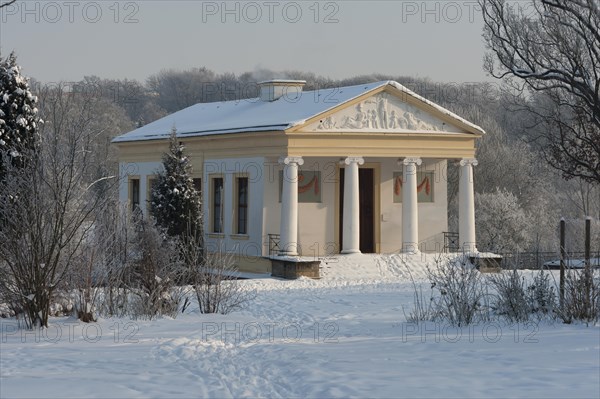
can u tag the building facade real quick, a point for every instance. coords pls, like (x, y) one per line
(315, 173)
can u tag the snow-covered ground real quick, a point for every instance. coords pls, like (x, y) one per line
(345, 335)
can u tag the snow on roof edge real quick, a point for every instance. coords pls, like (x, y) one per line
(434, 105)
(161, 136)
(281, 81)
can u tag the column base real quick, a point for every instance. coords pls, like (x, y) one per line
(417, 252)
(350, 251)
(410, 248)
(469, 248)
(287, 254)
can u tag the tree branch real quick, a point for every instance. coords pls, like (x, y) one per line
(2, 5)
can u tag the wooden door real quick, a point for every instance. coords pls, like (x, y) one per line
(366, 184)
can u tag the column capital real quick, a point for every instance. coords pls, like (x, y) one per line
(415, 160)
(289, 160)
(358, 160)
(469, 161)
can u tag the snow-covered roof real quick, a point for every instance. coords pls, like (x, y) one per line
(253, 115)
(282, 81)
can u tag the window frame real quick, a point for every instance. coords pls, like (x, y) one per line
(134, 205)
(237, 206)
(150, 180)
(212, 205)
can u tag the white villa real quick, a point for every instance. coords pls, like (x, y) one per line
(314, 173)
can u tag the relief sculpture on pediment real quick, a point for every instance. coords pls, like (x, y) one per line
(381, 113)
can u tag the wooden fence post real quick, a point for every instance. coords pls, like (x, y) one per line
(588, 265)
(588, 235)
(563, 256)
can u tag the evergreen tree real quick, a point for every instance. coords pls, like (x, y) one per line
(19, 121)
(175, 202)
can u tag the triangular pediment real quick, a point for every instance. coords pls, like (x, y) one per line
(383, 112)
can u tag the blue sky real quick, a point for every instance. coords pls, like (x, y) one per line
(66, 40)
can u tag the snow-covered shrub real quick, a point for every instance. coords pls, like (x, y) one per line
(542, 295)
(217, 289)
(132, 268)
(61, 305)
(84, 280)
(5, 311)
(581, 300)
(517, 300)
(510, 299)
(213, 274)
(154, 272)
(460, 295)
(10, 304)
(425, 308)
(115, 241)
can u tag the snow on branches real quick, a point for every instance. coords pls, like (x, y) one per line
(175, 202)
(19, 120)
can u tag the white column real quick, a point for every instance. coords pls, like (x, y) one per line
(466, 206)
(410, 206)
(288, 230)
(351, 216)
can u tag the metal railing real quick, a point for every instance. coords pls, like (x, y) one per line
(451, 241)
(273, 244)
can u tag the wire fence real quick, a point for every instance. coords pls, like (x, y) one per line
(547, 260)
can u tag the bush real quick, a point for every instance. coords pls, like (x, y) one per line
(581, 297)
(424, 309)
(84, 282)
(510, 299)
(542, 295)
(517, 301)
(213, 276)
(133, 270)
(154, 272)
(460, 296)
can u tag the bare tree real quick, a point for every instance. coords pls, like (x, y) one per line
(179, 89)
(552, 49)
(2, 5)
(48, 206)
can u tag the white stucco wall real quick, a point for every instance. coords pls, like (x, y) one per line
(271, 205)
(251, 244)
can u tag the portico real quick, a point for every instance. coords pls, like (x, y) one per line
(350, 222)
(358, 169)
